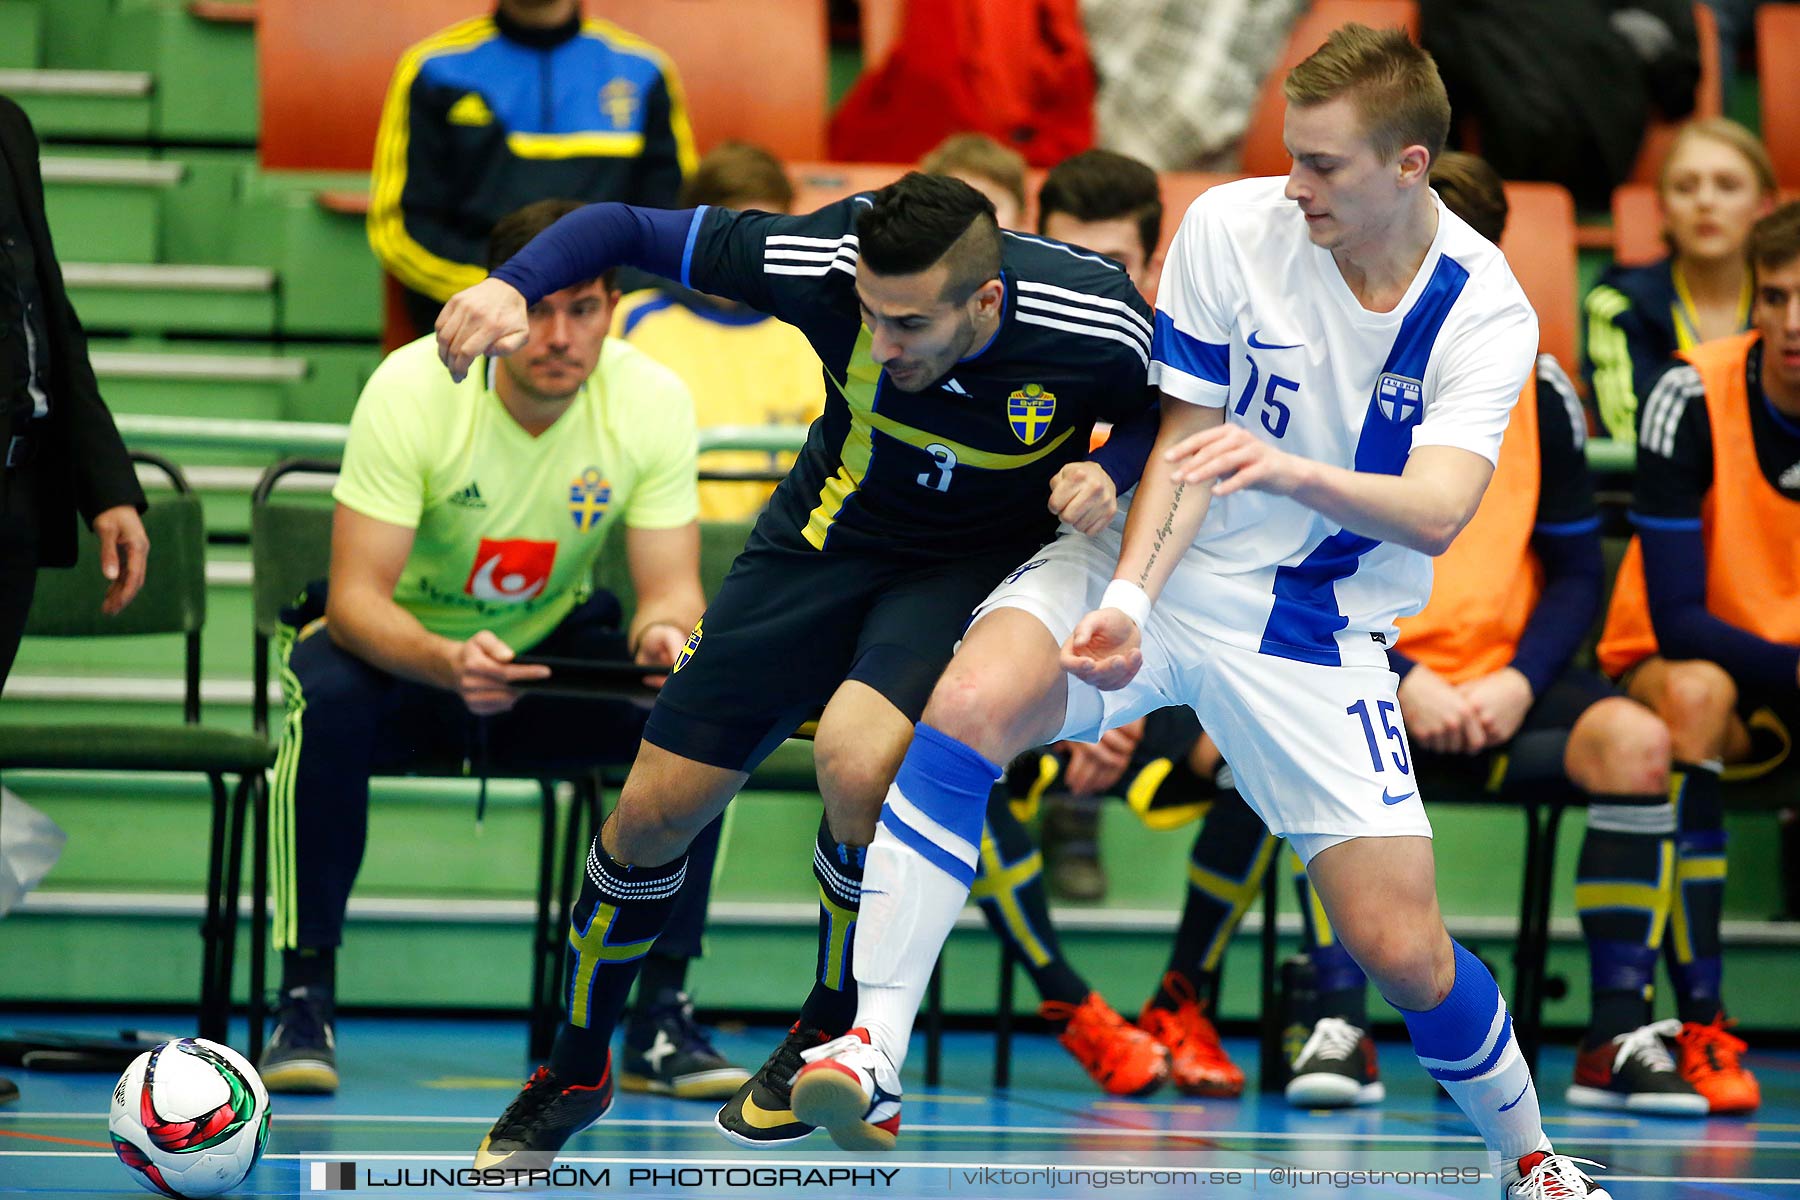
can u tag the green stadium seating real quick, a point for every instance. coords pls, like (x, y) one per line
(74, 32)
(187, 384)
(205, 71)
(106, 209)
(21, 35)
(111, 208)
(131, 70)
(337, 372)
(232, 380)
(157, 298)
(236, 381)
(199, 212)
(331, 285)
(84, 103)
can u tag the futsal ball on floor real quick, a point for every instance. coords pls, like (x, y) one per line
(189, 1118)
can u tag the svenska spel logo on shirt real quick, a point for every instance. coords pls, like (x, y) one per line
(589, 497)
(510, 570)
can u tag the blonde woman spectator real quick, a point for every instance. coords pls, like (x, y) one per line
(985, 165)
(1715, 183)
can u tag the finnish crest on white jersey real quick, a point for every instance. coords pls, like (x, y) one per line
(1400, 399)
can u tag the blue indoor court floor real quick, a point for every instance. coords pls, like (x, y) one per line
(418, 1094)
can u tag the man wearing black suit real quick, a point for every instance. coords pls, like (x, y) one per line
(59, 452)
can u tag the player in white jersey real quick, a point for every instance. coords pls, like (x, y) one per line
(1338, 357)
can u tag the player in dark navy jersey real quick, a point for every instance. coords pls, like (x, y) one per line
(964, 369)
(921, 450)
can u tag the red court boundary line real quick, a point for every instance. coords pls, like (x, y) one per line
(62, 1141)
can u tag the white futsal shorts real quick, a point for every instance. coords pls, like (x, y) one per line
(1318, 751)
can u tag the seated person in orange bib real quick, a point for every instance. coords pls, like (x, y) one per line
(469, 517)
(1705, 620)
(1490, 695)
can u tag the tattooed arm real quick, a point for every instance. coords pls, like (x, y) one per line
(1165, 515)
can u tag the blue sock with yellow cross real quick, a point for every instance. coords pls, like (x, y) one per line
(1623, 882)
(617, 918)
(838, 869)
(1009, 887)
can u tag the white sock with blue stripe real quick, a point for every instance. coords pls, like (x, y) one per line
(916, 880)
(1466, 1043)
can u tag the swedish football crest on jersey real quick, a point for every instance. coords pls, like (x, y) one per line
(619, 101)
(589, 496)
(1400, 399)
(687, 651)
(1030, 410)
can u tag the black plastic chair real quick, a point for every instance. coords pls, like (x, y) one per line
(172, 603)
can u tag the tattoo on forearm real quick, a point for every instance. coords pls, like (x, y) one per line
(1163, 532)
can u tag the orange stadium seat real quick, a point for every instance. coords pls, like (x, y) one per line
(817, 184)
(1708, 101)
(322, 91)
(1540, 247)
(1179, 190)
(753, 72)
(1636, 225)
(1263, 151)
(1778, 80)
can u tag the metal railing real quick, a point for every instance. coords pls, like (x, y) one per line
(30, 81)
(108, 172)
(318, 437)
(173, 434)
(168, 277)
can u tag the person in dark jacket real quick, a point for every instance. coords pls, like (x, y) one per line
(488, 115)
(59, 452)
(1564, 90)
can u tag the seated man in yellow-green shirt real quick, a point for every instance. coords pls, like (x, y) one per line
(469, 518)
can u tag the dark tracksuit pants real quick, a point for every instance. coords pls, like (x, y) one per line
(348, 720)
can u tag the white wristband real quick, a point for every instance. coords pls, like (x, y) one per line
(1128, 598)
